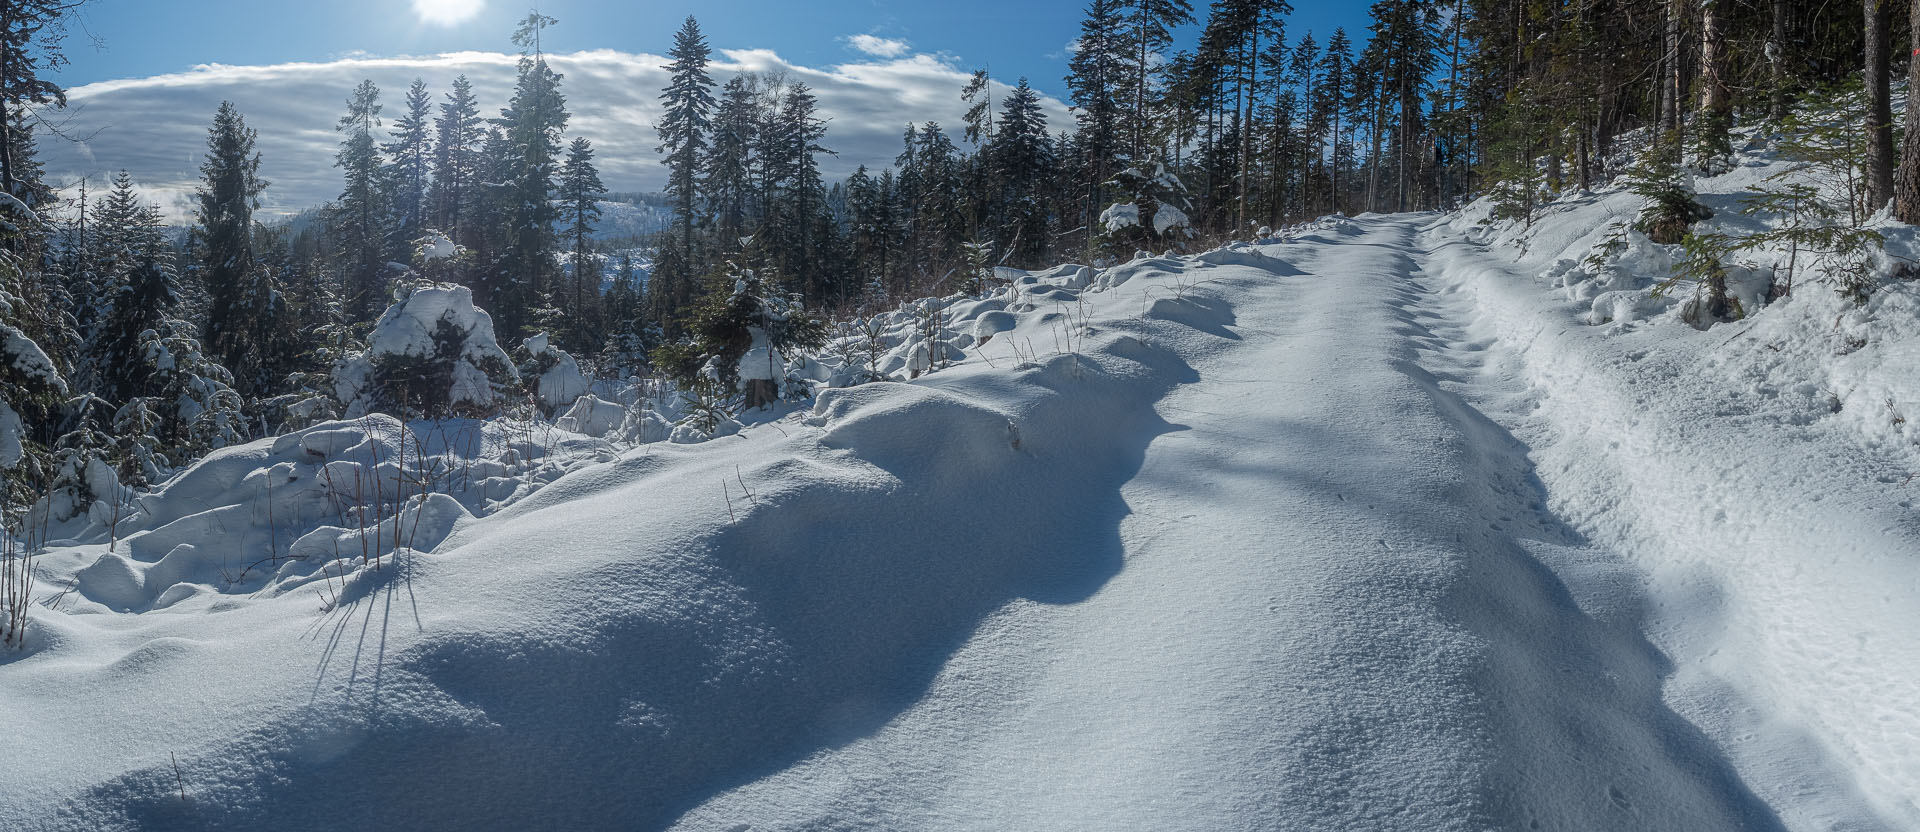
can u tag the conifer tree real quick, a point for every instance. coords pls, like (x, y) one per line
(238, 297)
(729, 162)
(1094, 79)
(1149, 30)
(581, 191)
(689, 104)
(1022, 159)
(458, 134)
(978, 95)
(359, 217)
(410, 156)
(1879, 124)
(31, 32)
(527, 157)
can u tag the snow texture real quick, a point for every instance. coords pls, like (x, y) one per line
(1375, 524)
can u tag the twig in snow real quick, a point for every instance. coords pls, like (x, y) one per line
(177, 778)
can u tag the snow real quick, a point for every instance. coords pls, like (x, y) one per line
(1384, 522)
(1167, 218)
(436, 247)
(1120, 216)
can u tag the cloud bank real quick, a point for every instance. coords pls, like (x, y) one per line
(156, 127)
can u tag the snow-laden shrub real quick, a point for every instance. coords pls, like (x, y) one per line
(432, 354)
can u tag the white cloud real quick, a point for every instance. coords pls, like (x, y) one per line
(156, 127)
(878, 47)
(448, 12)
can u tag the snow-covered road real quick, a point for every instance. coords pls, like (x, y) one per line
(1344, 606)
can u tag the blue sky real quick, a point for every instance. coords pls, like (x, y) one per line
(1014, 37)
(143, 101)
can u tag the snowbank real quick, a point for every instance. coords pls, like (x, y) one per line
(1758, 472)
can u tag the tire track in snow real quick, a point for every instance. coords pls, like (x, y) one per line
(1343, 606)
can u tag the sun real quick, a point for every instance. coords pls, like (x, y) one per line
(447, 12)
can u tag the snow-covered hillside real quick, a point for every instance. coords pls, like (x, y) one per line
(1373, 524)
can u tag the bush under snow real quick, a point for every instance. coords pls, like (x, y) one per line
(432, 354)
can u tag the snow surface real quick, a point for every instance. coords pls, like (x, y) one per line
(1369, 526)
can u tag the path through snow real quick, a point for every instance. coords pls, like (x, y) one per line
(1344, 606)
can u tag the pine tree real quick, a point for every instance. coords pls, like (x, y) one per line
(31, 32)
(1149, 30)
(1329, 98)
(359, 217)
(794, 228)
(978, 95)
(527, 159)
(238, 297)
(729, 162)
(581, 191)
(411, 157)
(1094, 79)
(1906, 192)
(689, 104)
(1879, 125)
(456, 160)
(1022, 160)
(127, 232)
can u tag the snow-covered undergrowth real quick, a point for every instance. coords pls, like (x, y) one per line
(1761, 473)
(463, 624)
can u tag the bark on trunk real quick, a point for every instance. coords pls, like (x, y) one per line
(1776, 51)
(1879, 107)
(1906, 190)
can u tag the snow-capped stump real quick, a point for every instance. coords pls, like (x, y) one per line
(432, 354)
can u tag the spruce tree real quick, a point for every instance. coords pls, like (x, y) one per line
(238, 297)
(978, 95)
(581, 191)
(527, 158)
(1022, 159)
(1149, 30)
(31, 32)
(729, 162)
(688, 101)
(410, 156)
(458, 134)
(1094, 79)
(359, 216)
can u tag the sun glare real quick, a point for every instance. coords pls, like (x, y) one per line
(447, 12)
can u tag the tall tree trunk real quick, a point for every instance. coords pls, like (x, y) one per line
(1776, 51)
(1879, 106)
(1714, 98)
(1906, 191)
(1673, 90)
